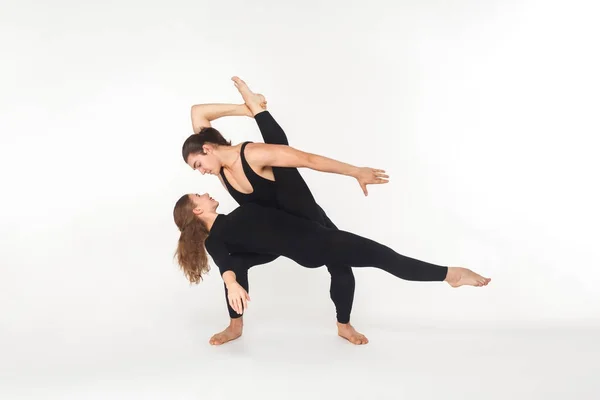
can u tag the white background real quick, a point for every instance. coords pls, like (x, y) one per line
(484, 113)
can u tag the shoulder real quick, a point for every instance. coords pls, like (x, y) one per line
(216, 248)
(253, 147)
(242, 211)
(254, 152)
(263, 151)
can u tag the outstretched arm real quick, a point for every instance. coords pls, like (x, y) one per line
(202, 114)
(274, 155)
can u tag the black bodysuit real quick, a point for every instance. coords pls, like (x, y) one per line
(258, 229)
(290, 193)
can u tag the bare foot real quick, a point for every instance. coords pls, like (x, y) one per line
(458, 276)
(348, 332)
(254, 101)
(230, 333)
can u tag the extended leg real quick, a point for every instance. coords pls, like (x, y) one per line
(345, 248)
(270, 130)
(348, 249)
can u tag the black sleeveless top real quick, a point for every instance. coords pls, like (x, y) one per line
(264, 190)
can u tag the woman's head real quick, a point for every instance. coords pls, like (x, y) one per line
(190, 214)
(198, 150)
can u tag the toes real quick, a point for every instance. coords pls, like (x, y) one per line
(359, 339)
(363, 340)
(484, 281)
(216, 340)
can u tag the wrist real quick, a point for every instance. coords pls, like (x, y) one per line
(229, 279)
(243, 110)
(231, 283)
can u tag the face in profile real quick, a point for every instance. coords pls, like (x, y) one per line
(203, 203)
(206, 163)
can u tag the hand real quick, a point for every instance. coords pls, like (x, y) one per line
(262, 101)
(367, 176)
(238, 297)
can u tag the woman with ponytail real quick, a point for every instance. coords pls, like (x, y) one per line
(263, 230)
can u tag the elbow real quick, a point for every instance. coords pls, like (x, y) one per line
(310, 161)
(195, 112)
(198, 111)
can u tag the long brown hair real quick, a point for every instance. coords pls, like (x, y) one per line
(191, 253)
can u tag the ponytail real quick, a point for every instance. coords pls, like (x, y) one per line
(191, 253)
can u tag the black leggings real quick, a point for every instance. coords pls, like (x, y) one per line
(349, 249)
(299, 202)
(253, 228)
(341, 289)
(258, 229)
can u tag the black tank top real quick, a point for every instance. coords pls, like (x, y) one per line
(264, 190)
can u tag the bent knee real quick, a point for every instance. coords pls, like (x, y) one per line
(343, 274)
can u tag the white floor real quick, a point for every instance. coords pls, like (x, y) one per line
(403, 361)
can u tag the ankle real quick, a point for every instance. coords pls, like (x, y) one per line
(255, 110)
(452, 274)
(236, 323)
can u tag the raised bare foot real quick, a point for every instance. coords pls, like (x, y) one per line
(254, 101)
(230, 333)
(458, 276)
(348, 332)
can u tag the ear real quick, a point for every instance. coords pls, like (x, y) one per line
(197, 211)
(207, 148)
